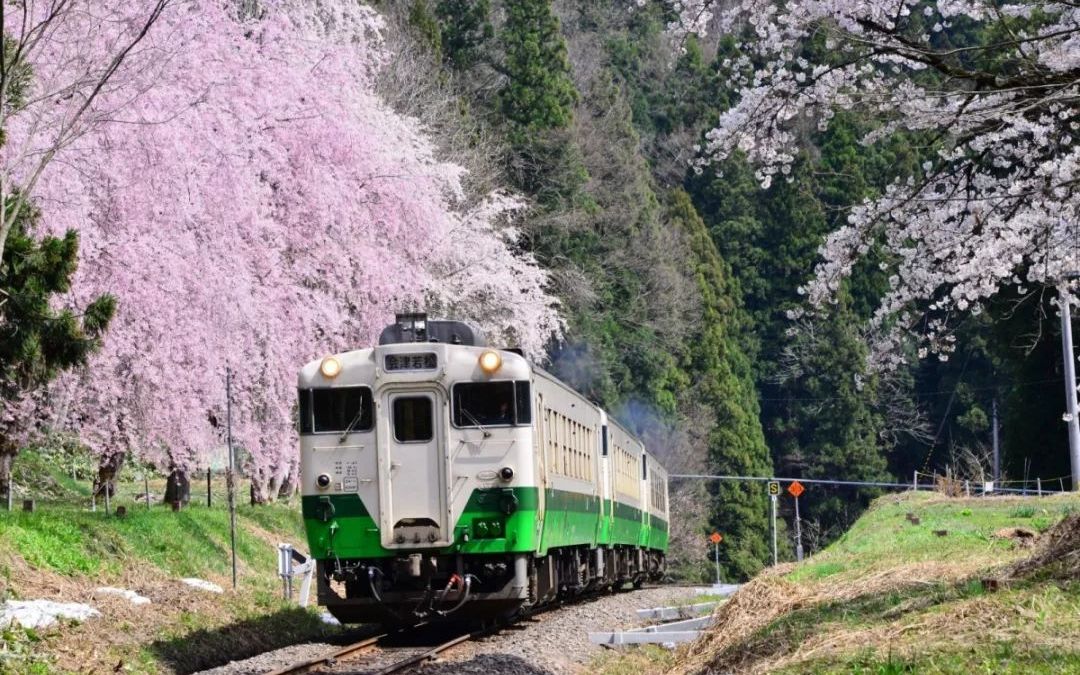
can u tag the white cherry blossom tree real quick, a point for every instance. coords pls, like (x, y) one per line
(993, 88)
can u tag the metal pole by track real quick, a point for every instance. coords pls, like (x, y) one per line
(716, 560)
(798, 533)
(997, 446)
(231, 479)
(772, 518)
(1070, 390)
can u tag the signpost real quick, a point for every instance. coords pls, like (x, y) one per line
(716, 538)
(774, 493)
(796, 489)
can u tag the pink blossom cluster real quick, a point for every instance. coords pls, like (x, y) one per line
(998, 205)
(253, 205)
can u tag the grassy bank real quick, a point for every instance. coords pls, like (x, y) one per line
(937, 593)
(63, 551)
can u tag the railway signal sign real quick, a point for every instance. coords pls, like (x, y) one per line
(716, 537)
(774, 488)
(796, 489)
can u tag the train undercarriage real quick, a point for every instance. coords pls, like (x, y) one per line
(483, 588)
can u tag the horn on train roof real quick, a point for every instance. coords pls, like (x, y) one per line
(415, 327)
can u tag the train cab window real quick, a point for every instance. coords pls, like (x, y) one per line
(336, 410)
(491, 404)
(412, 419)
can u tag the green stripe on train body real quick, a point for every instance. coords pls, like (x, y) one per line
(340, 525)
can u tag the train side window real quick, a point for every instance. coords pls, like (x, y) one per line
(523, 401)
(412, 419)
(644, 467)
(335, 410)
(604, 449)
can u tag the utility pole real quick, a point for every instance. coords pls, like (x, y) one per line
(231, 478)
(1070, 389)
(997, 446)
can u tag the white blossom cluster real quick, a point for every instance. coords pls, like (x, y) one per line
(996, 207)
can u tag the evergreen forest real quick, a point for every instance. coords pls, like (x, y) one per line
(680, 284)
(272, 181)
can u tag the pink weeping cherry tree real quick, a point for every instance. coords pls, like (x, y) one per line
(253, 205)
(996, 206)
(52, 77)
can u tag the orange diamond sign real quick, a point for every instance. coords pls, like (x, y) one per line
(716, 537)
(796, 489)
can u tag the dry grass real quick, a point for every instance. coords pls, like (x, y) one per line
(119, 636)
(1057, 555)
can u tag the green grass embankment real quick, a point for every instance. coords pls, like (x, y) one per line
(63, 551)
(896, 596)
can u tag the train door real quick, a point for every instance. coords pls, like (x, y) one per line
(414, 476)
(540, 425)
(604, 483)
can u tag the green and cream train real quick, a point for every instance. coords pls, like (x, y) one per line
(441, 476)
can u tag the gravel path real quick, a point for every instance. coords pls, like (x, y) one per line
(556, 642)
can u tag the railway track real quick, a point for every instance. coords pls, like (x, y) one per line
(377, 655)
(386, 653)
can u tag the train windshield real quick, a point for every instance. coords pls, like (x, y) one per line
(335, 410)
(484, 404)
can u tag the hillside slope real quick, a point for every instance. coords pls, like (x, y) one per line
(65, 552)
(895, 596)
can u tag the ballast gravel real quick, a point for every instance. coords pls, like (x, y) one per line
(271, 661)
(555, 642)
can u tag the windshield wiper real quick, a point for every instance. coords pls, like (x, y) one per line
(348, 429)
(476, 422)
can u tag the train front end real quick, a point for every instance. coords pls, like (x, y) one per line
(419, 476)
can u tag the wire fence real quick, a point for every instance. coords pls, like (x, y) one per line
(919, 481)
(133, 489)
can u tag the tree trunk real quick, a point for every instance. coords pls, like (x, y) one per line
(263, 492)
(7, 459)
(177, 487)
(288, 488)
(108, 469)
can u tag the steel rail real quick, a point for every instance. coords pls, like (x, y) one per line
(424, 656)
(347, 650)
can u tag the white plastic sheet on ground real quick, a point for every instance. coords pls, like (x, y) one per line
(43, 613)
(131, 596)
(203, 585)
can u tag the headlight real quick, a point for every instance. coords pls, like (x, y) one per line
(330, 367)
(490, 361)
